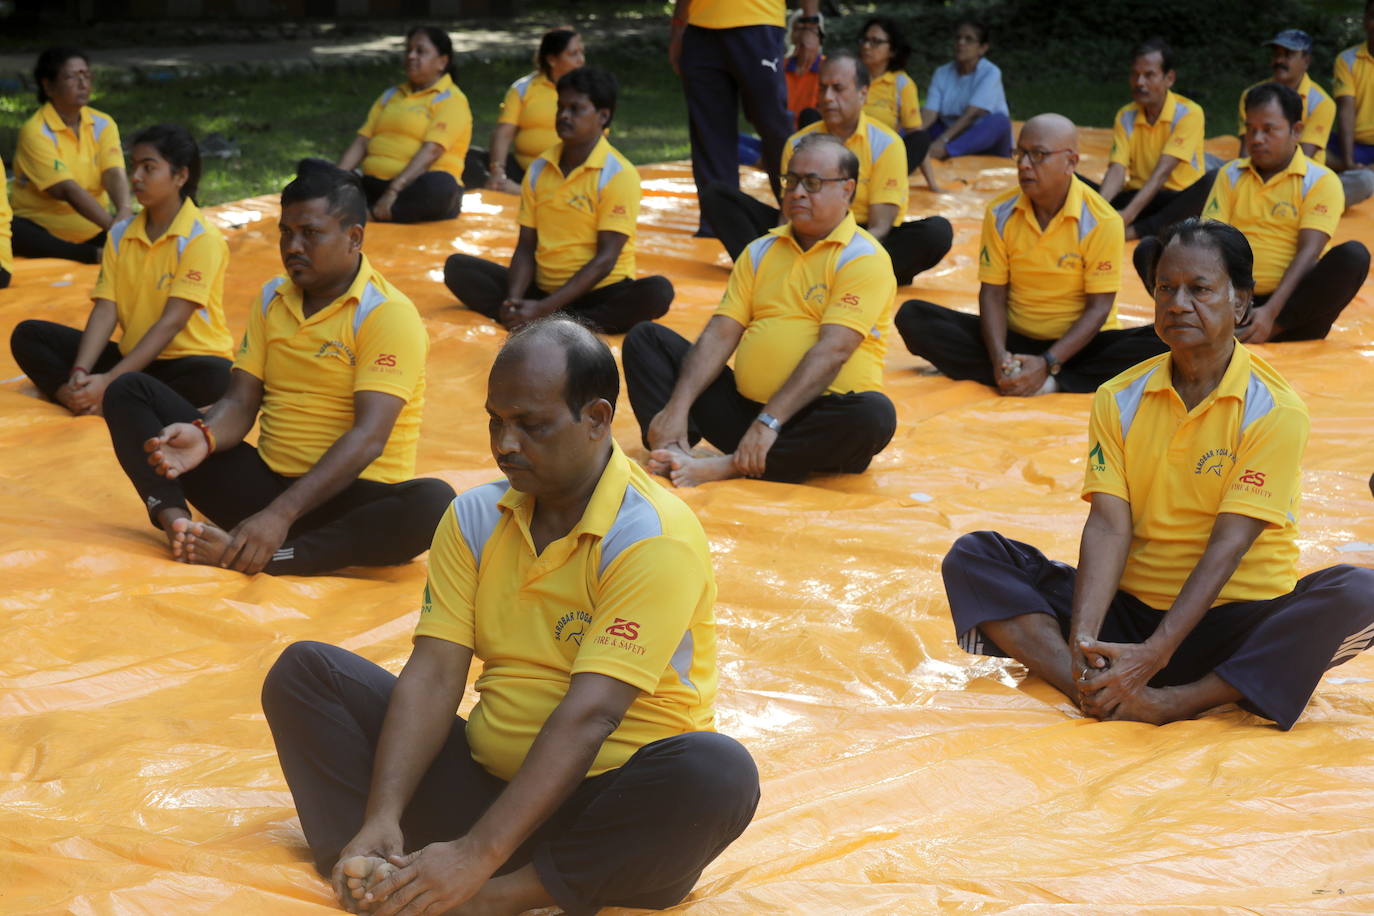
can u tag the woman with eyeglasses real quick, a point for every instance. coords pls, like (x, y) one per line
(412, 146)
(966, 110)
(892, 96)
(68, 167)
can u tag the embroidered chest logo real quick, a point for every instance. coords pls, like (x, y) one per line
(1215, 461)
(338, 350)
(571, 627)
(1071, 260)
(816, 294)
(1283, 209)
(164, 280)
(581, 202)
(622, 635)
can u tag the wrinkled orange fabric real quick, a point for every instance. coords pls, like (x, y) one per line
(899, 774)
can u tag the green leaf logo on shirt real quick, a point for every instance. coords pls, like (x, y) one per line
(428, 604)
(1097, 458)
(984, 257)
(57, 165)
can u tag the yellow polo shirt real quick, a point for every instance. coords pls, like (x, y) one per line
(187, 261)
(783, 295)
(1238, 451)
(1271, 213)
(369, 339)
(1355, 78)
(882, 166)
(50, 152)
(531, 104)
(600, 195)
(1050, 271)
(894, 102)
(1318, 115)
(628, 593)
(1178, 132)
(731, 14)
(6, 215)
(401, 121)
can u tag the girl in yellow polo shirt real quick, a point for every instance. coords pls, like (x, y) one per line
(68, 166)
(416, 136)
(161, 281)
(892, 97)
(525, 126)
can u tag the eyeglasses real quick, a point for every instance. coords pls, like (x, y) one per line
(812, 183)
(873, 41)
(1036, 156)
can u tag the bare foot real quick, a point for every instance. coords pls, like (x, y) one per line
(690, 470)
(362, 872)
(661, 461)
(1151, 705)
(202, 542)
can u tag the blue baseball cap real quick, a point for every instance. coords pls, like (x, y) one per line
(1292, 39)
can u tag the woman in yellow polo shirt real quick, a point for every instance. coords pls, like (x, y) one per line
(68, 166)
(525, 126)
(161, 281)
(412, 146)
(892, 97)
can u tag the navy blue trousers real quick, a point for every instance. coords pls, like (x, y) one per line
(723, 69)
(1274, 652)
(635, 836)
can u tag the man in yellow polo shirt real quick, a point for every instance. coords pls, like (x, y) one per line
(1352, 144)
(578, 205)
(730, 53)
(880, 200)
(807, 315)
(1157, 174)
(589, 774)
(1050, 268)
(332, 368)
(1288, 207)
(1186, 595)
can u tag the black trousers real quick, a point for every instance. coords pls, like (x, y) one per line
(33, 241)
(476, 170)
(366, 524)
(1167, 206)
(739, 218)
(952, 341)
(46, 351)
(613, 309)
(836, 433)
(1316, 303)
(635, 836)
(723, 69)
(917, 145)
(4, 278)
(1274, 652)
(433, 196)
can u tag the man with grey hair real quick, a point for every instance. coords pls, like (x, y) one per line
(881, 193)
(807, 315)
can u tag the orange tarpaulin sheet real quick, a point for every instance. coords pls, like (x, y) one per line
(900, 775)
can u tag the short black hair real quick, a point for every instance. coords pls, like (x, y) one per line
(984, 33)
(1290, 103)
(848, 162)
(596, 84)
(1155, 46)
(591, 368)
(1225, 239)
(175, 144)
(442, 43)
(554, 43)
(50, 62)
(901, 49)
(316, 178)
(861, 78)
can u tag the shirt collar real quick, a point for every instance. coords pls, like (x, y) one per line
(1234, 381)
(596, 159)
(1296, 166)
(602, 508)
(840, 235)
(443, 82)
(182, 223)
(791, 64)
(1364, 51)
(1072, 208)
(54, 120)
(1166, 113)
(291, 294)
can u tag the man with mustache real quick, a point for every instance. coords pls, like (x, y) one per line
(332, 367)
(589, 774)
(1157, 173)
(578, 206)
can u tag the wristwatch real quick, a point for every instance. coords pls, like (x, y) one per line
(1051, 363)
(770, 421)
